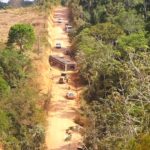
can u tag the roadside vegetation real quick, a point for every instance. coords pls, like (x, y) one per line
(22, 114)
(111, 45)
(22, 124)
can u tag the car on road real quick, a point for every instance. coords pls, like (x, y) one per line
(68, 27)
(63, 74)
(63, 78)
(58, 45)
(71, 95)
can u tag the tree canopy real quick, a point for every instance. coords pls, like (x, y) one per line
(22, 36)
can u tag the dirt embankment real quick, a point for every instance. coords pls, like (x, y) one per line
(50, 28)
(30, 15)
(41, 64)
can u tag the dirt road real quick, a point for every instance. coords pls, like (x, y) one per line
(62, 111)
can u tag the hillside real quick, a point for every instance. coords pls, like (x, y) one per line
(29, 15)
(19, 78)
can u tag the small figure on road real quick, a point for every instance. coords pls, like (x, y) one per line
(69, 88)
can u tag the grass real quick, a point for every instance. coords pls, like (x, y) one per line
(29, 15)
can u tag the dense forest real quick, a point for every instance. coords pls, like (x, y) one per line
(111, 44)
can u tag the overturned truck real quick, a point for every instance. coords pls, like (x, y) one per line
(62, 62)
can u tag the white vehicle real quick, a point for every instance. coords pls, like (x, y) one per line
(58, 45)
(71, 95)
(68, 28)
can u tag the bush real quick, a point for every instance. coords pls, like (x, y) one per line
(21, 35)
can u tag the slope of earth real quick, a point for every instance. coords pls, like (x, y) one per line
(62, 111)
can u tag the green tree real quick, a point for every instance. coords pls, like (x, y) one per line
(107, 32)
(130, 21)
(133, 42)
(4, 87)
(5, 123)
(14, 66)
(22, 36)
(25, 119)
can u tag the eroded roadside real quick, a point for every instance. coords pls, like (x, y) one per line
(62, 111)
